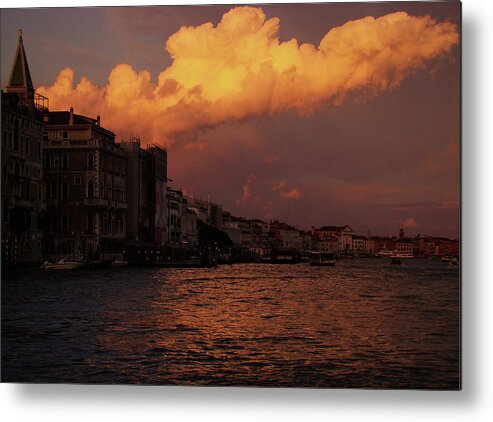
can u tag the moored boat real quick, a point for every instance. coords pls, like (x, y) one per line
(401, 255)
(62, 264)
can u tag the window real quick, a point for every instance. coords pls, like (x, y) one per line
(16, 135)
(64, 222)
(46, 161)
(39, 149)
(90, 189)
(55, 161)
(26, 140)
(53, 190)
(65, 134)
(77, 181)
(64, 161)
(90, 162)
(64, 190)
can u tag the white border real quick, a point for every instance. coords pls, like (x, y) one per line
(121, 403)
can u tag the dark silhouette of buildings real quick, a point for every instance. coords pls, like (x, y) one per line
(22, 165)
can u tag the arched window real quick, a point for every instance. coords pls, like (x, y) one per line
(90, 189)
(64, 161)
(64, 190)
(90, 162)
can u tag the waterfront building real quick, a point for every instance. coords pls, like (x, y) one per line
(85, 184)
(286, 236)
(239, 230)
(369, 245)
(344, 235)
(358, 244)
(147, 213)
(327, 244)
(260, 235)
(207, 211)
(22, 164)
(182, 222)
(383, 243)
(404, 245)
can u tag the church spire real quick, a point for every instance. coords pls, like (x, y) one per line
(20, 77)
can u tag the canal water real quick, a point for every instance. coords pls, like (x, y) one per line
(362, 323)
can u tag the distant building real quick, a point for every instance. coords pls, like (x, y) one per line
(208, 212)
(404, 245)
(85, 183)
(369, 245)
(182, 222)
(344, 235)
(383, 244)
(286, 236)
(22, 165)
(358, 243)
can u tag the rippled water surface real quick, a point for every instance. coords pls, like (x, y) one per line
(363, 323)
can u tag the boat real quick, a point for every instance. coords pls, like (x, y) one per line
(401, 255)
(323, 259)
(62, 264)
(395, 261)
(384, 253)
(118, 261)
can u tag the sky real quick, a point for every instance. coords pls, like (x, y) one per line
(313, 114)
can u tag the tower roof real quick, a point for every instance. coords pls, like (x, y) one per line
(20, 77)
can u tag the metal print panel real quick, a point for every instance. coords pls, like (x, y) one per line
(264, 195)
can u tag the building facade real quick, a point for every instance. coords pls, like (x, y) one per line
(22, 165)
(85, 184)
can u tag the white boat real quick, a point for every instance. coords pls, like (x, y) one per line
(62, 264)
(324, 259)
(385, 253)
(401, 255)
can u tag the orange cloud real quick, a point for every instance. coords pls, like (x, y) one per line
(247, 190)
(240, 69)
(278, 186)
(409, 223)
(292, 194)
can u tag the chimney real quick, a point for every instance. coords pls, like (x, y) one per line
(99, 120)
(71, 120)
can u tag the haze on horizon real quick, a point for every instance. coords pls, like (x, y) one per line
(311, 114)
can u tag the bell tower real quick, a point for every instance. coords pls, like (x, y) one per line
(20, 81)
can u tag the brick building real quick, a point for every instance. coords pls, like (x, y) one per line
(85, 184)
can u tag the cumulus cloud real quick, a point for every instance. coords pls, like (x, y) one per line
(409, 223)
(239, 69)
